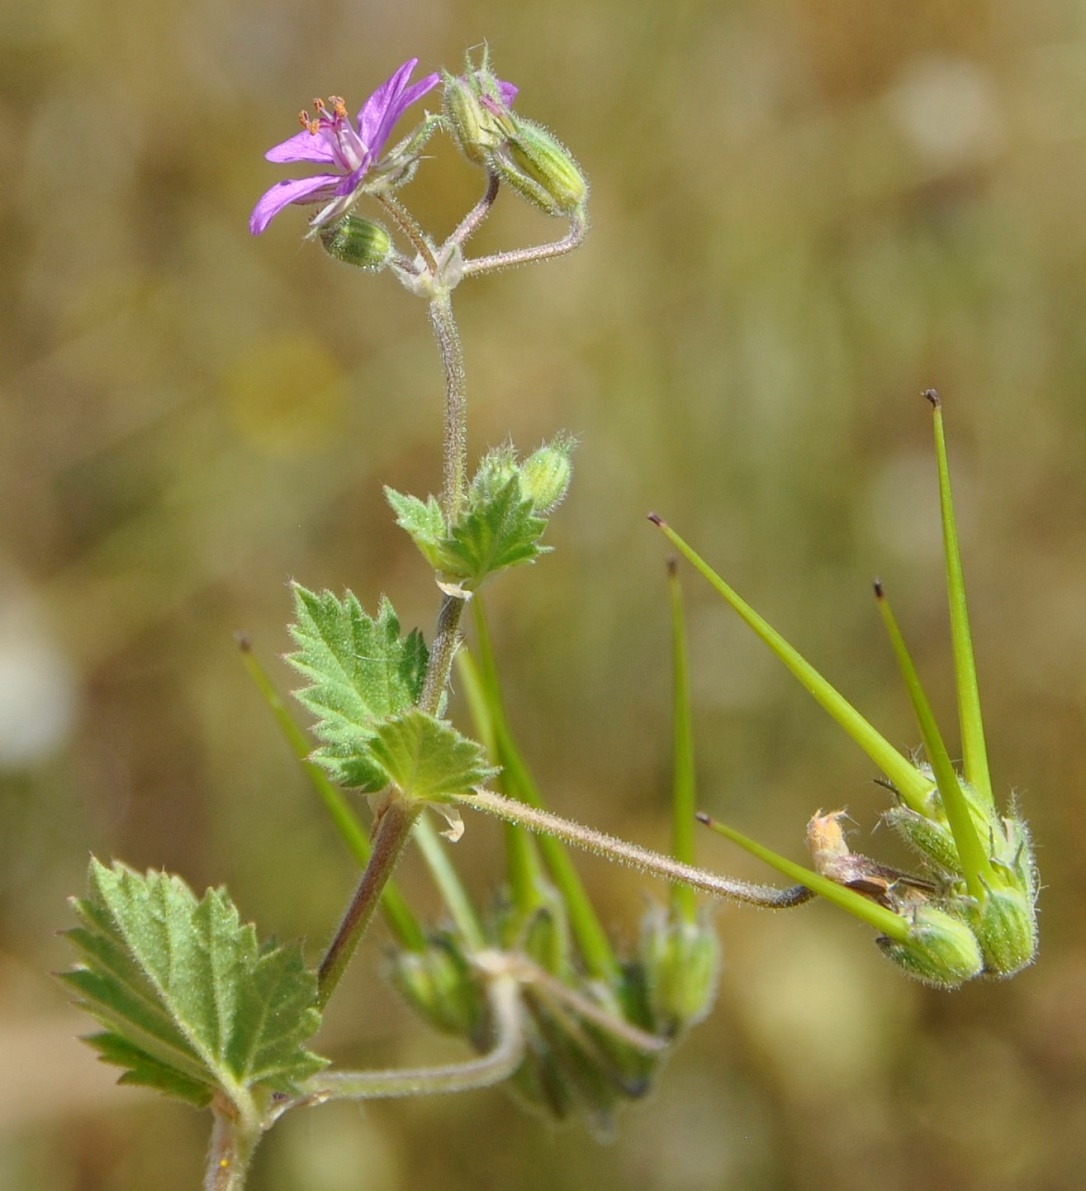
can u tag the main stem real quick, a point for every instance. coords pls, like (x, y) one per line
(234, 1137)
(455, 487)
(393, 828)
(398, 817)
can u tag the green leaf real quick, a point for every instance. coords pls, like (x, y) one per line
(423, 521)
(361, 672)
(501, 529)
(427, 759)
(190, 1002)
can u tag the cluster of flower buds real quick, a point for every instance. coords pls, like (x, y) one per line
(479, 110)
(591, 1042)
(501, 521)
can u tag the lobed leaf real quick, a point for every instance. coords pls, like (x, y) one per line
(190, 1002)
(427, 759)
(360, 671)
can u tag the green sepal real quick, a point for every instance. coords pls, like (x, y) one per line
(541, 169)
(442, 985)
(1006, 928)
(361, 672)
(426, 759)
(929, 838)
(191, 1003)
(680, 961)
(1006, 920)
(940, 949)
(359, 242)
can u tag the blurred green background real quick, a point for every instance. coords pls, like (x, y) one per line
(804, 214)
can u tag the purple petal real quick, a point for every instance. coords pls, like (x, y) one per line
(302, 146)
(388, 103)
(282, 194)
(508, 92)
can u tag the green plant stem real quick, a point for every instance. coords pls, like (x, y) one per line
(442, 653)
(523, 867)
(405, 221)
(525, 256)
(599, 956)
(469, 225)
(643, 859)
(445, 877)
(495, 1066)
(393, 829)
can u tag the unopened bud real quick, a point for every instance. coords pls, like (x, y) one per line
(540, 168)
(545, 475)
(439, 985)
(1006, 927)
(940, 948)
(932, 840)
(681, 962)
(359, 242)
(497, 467)
(475, 112)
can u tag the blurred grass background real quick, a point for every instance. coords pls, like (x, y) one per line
(804, 214)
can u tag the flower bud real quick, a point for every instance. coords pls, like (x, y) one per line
(439, 985)
(681, 963)
(1006, 928)
(477, 124)
(541, 169)
(940, 948)
(932, 840)
(545, 475)
(496, 468)
(359, 242)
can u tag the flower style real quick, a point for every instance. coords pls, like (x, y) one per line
(329, 139)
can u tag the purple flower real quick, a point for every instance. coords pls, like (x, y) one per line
(330, 140)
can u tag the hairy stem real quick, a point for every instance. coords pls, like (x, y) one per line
(392, 831)
(234, 1138)
(643, 859)
(493, 1067)
(525, 256)
(442, 653)
(405, 221)
(469, 225)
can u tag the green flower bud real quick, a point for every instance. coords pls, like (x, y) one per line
(440, 985)
(496, 468)
(359, 242)
(545, 475)
(541, 169)
(940, 948)
(476, 126)
(681, 964)
(930, 839)
(1006, 927)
